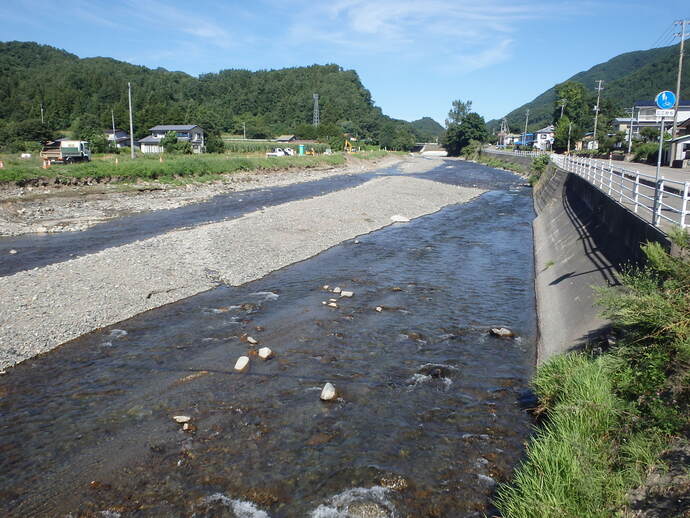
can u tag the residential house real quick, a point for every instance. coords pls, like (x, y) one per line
(187, 132)
(543, 139)
(525, 140)
(645, 112)
(120, 137)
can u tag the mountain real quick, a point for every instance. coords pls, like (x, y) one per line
(78, 92)
(427, 129)
(629, 77)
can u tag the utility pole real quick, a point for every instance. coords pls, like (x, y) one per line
(570, 129)
(42, 122)
(630, 128)
(316, 116)
(244, 130)
(112, 115)
(524, 137)
(681, 34)
(131, 121)
(596, 111)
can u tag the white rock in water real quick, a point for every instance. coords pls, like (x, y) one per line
(265, 353)
(347, 293)
(397, 218)
(328, 392)
(252, 340)
(332, 304)
(323, 302)
(242, 363)
(502, 332)
(326, 287)
(332, 300)
(13, 251)
(181, 419)
(379, 309)
(337, 290)
(356, 241)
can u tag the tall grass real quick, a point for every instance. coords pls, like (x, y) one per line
(149, 168)
(607, 417)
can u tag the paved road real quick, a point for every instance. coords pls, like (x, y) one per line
(670, 173)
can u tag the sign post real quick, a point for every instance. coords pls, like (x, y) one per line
(665, 101)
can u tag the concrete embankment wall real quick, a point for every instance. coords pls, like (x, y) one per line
(581, 240)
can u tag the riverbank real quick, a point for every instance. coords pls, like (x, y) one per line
(67, 208)
(56, 303)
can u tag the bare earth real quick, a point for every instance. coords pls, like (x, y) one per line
(44, 307)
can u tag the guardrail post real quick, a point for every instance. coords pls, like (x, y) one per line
(636, 191)
(610, 178)
(684, 206)
(657, 215)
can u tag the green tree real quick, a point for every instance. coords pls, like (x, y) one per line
(458, 136)
(214, 143)
(459, 110)
(576, 101)
(169, 142)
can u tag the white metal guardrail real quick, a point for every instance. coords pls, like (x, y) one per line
(662, 203)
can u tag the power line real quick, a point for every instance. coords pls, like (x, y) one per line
(663, 37)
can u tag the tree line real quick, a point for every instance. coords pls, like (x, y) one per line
(83, 95)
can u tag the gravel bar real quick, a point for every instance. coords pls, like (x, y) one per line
(44, 307)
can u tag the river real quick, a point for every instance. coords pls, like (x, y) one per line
(429, 415)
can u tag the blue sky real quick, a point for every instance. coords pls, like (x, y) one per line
(414, 56)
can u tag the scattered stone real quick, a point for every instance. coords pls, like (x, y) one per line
(379, 309)
(265, 353)
(397, 218)
(242, 363)
(258, 329)
(324, 302)
(13, 251)
(328, 392)
(185, 427)
(502, 332)
(356, 241)
(181, 419)
(332, 304)
(326, 287)
(337, 289)
(332, 300)
(394, 482)
(347, 293)
(252, 340)
(486, 480)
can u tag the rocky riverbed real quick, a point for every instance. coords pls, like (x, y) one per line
(44, 307)
(64, 208)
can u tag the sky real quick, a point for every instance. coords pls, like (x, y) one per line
(414, 56)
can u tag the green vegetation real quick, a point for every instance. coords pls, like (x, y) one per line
(197, 167)
(80, 93)
(608, 415)
(427, 129)
(463, 127)
(629, 77)
(262, 147)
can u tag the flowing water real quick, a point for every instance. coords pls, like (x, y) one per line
(428, 417)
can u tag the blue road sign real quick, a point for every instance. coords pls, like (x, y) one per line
(666, 100)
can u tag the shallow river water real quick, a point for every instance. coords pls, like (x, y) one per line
(428, 419)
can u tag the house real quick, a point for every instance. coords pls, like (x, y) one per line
(507, 139)
(120, 137)
(646, 117)
(543, 139)
(682, 151)
(286, 138)
(187, 132)
(526, 139)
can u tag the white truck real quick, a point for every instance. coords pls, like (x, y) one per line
(281, 152)
(64, 151)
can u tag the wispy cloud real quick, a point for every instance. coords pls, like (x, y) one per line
(473, 35)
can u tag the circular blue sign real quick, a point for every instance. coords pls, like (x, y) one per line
(666, 100)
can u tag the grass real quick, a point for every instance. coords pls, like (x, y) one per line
(197, 167)
(608, 416)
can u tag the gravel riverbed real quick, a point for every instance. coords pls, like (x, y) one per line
(44, 307)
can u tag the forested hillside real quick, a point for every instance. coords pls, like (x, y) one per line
(629, 77)
(427, 129)
(80, 93)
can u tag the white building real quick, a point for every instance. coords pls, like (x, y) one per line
(645, 117)
(188, 132)
(543, 139)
